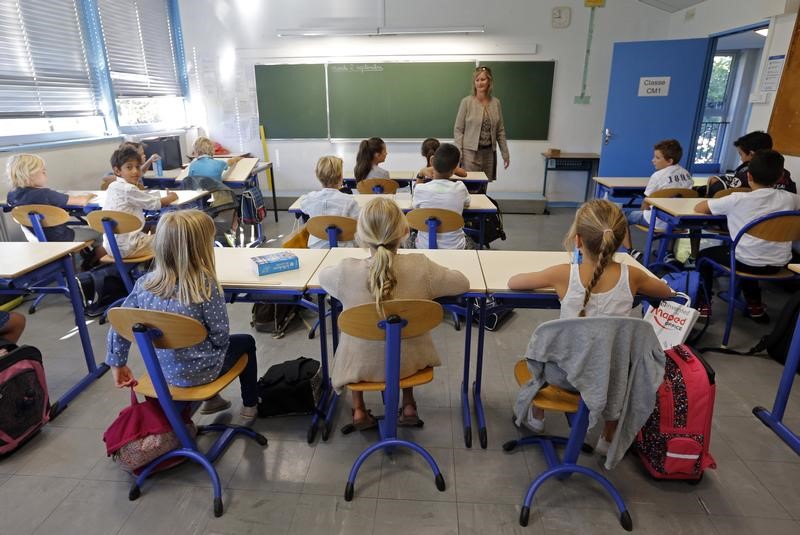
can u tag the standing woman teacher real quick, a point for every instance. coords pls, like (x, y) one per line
(479, 126)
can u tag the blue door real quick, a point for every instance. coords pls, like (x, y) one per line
(656, 92)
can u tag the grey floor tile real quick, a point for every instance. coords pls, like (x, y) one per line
(64, 452)
(171, 510)
(752, 440)
(737, 525)
(190, 473)
(254, 513)
(398, 517)
(437, 431)
(27, 501)
(481, 518)
(733, 490)
(282, 466)
(99, 507)
(489, 476)
(331, 515)
(330, 468)
(783, 482)
(564, 520)
(405, 475)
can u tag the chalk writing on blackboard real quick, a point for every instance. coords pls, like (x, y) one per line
(357, 67)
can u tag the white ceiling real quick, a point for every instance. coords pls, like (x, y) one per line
(671, 6)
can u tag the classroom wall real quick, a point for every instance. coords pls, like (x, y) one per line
(224, 39)
(713, 16)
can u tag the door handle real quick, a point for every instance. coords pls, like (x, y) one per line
(606, 135)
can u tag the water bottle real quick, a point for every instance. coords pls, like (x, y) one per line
(577, 257)
(159, 167)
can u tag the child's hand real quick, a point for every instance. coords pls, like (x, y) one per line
(233, 161)
(153, 158)
(171, 197)
(123, 376)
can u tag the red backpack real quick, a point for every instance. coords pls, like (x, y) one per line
(24, 403)
(674, 442)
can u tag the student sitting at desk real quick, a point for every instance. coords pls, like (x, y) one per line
(593, 285)
(28, 174)
(183, 281)
(428, 149)
(146, 163)
(441, 192)
(123, 196)
(371, 153)
(329, 200)
(204, 163)
(669, 174)
(382, 227)
(753, 255)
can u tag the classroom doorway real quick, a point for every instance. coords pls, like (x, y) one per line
(733, 77)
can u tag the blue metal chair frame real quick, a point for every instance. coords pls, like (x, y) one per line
(124, 269)
(333, 241)
(387, 425)
(144, 339)
(455, 310)
(38, 231)
(733, 286)
(568, 464)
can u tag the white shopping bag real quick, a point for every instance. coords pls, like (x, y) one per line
(672, 321)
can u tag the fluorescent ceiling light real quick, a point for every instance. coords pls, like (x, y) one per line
(320, 32)
(763, 32)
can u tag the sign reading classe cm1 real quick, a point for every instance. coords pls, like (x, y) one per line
(654, 86)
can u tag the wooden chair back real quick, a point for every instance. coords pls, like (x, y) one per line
(780, 229)
(725, 192)
(51, 215)
(448, 220)
(318, 227)
(387, 184)
(125, 222)
(178, 331)
(297, 240)
(674, 193)
(362, 321)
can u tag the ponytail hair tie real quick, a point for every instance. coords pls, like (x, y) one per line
(608, 230)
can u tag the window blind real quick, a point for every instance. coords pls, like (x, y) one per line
(43, 67)
(138, 39)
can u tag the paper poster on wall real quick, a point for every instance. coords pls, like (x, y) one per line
(772, 73)
(654, 86)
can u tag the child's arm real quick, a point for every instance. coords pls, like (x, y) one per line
(169, 198)
(460, 172)
(219, 328)
(231, 164)
(146, 165)
(552, 277)
(702, 208)
(80, 200)
(118, 348)
(644, 284)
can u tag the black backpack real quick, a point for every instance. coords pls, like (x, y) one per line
(496, 314)
(100, 287)
(291, 387)
(275, 318)
(24, 402)
(777, 342)
(492, 225)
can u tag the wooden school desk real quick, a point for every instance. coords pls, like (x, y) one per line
(404, 179)
(236, 273)
(774, 418)
(462, 260)
(23, 268)
(569, 161)
(476, 181)
(629, 188)
(186, 199)
(678, 214)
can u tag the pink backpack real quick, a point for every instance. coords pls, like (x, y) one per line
(24, 403)
(674, 442)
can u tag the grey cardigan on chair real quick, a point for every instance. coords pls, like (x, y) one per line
(616, 364)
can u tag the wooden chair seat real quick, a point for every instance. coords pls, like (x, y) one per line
(51, 215)
(318, 227)
(550, 397)
(366, 185)
(147, 255)
(726, 192)
(194, 393)
(782, 274)
(422, 377)
(448, 220)
(125, 222)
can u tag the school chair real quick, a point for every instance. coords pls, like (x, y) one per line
(377, 185)
(775, 227)
(151, 329)
(110, 223)
(553, 398)
(726, 192)
(434, 221)
(669, 193)
(405, 318)
(33, 219)
(333, 228)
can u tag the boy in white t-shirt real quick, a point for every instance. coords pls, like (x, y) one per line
(329, 200)
(443, 193)
(753, 255)
(669, 174)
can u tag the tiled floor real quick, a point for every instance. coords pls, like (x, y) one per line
(61, 482)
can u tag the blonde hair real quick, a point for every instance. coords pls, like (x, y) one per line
(602, 227)
(488, 72)
(329, 171)
(203, 145)
(21, 167)
(381, 227)
(184, 257)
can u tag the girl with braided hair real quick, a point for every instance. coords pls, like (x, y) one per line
(594, 284)
(385, 275)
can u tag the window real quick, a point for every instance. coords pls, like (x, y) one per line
(715, 115)
(46, 89)
(142, 63)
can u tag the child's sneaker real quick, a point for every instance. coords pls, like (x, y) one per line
(602, 446)
(758, 312)
(534, 424)
(636, 254)
(215, 404)
(704, 310)
(247, 416)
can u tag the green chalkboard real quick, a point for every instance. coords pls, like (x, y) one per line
(525, 89)
(396, 100)
(292, 100)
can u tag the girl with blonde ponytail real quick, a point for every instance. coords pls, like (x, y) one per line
(593, 284)
(385, 275)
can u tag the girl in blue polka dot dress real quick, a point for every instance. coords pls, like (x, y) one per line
(183, 282)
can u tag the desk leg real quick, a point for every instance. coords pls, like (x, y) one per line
(650, 233)
(544, 189)
(466, 415)
(588, 183)
(94, 370)
(774, 419)
(476, 386)
(482, 232)
(328, 398)
(274, 194)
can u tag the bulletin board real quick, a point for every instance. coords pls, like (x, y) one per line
(784, 124)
